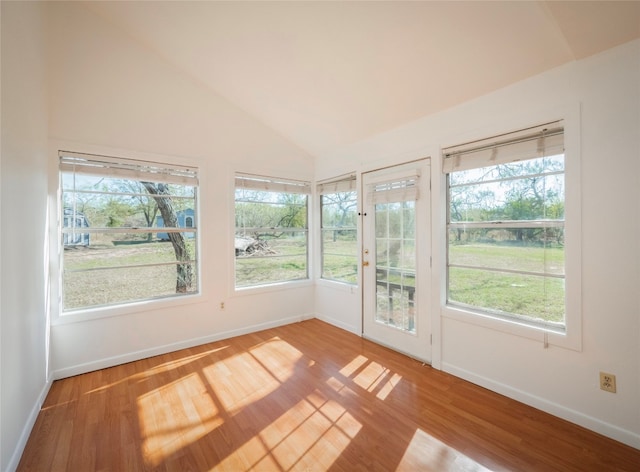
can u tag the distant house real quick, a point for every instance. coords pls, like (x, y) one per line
(186, 219)
(77, 220)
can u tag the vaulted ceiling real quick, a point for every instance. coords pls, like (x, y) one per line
(327, 74)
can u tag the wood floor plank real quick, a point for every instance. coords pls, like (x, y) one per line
(308, 397)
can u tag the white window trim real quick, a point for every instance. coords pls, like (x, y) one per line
(56, 315)
(124, 309)
(130, 169)
(572, 336)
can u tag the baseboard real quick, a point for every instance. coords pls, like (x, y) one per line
(31, 421)
(339, 324)
(164, 349)
(606, 429)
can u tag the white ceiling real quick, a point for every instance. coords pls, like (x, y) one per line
(327, 74)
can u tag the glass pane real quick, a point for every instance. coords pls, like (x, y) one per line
(542, 165)
(382, 259)
(395, 217)
(259, 210)
(264, 270)
(395, 265)
(538, 250)
(520, 193)
(121, 203)
(502, 249)
(339, 210)
(121, 285)
(382, 307)
(382, 226)
(122, 249)
(395, 305)
(408, 220)
(101, 183)
(532, 297)
(394, 252)
(271, 237)
(273, 257)
(339, 236)
(339, 255)
(408, 261)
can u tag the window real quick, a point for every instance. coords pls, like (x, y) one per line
(338, 220)
(505, 226)
(122, 230)
(271, 234)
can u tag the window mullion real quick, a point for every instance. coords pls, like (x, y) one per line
(524, 224)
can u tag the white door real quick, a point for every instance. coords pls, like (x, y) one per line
(396, 258)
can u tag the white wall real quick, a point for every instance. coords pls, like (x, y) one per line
(111, 94)
(340, 305)
(23, 343)
(561, 381)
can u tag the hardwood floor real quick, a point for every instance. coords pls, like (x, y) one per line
(308, 397)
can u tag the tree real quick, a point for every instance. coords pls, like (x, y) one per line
(147, 206)
(184, 269)
(534, 195)
(267, 211)
(118, 211)
(293, 213)
(470, 203)
(339, 210)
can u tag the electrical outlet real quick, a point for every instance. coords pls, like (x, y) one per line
(608, 382)
(222, 305)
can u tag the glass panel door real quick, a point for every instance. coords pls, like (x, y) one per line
(396, 258)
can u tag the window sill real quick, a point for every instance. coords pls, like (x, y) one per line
(274, 287)
(337, 285)
(90, 314)
(514, 327)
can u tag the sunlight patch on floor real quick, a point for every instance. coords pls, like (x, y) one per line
(312, 433)
(354, 365)
(155, 370)
(181, 412)
(167, 428)
(426, 453)
(277, 357)
(246, 377)
(370, 376)
(388, 386)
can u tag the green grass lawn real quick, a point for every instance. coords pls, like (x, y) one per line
(531, 296)
(527, 295)
(340, 258)
(286, 260)
(91, 277)
(524, 258)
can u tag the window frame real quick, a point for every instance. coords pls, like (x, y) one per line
(571, 338)
(344, 184)
(285, 185)
(157, 163)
